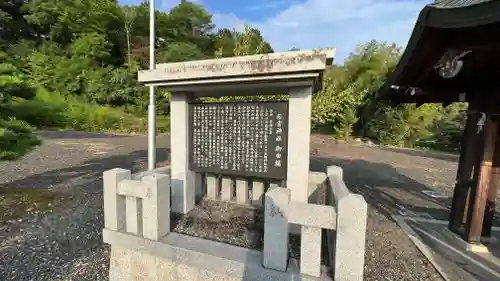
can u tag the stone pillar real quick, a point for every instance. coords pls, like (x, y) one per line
(200, 186)
(156, 207)
(227, 189)
(213, 189)
(242, 191)
(257, 193)
(114, 204)
(310, 257)
(352, 213)
(275, 253)
(134, 220)
(183, 180)
(480, 192)
(299, 132)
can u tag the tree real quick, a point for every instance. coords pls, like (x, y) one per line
(369, 65)
(234, 43)
(225, 43)
(336, 109)
(250, 42)
(180, 51)
(13, 26)
(189, 23)
(366, 69)
(129, 14)
(16, 137)
(63, 20)
(82, 56)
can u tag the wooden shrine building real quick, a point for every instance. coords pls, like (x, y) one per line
(453, 55)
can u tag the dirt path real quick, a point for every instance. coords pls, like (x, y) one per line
(63, 242)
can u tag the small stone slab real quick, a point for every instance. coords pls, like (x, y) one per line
(242, 191)
(275, 253)
(227, 189)
(257, 193)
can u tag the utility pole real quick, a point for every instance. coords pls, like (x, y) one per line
(151, 107)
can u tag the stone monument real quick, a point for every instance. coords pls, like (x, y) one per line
(254, 153)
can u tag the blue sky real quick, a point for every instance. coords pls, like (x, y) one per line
(307, 24)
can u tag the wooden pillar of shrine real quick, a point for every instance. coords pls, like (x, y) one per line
(461, 194)
(494, 185)
(479, 192)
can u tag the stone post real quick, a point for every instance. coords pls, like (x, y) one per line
(183, 180)
(114, 204)
(310, 256)
(241, 191)
(227, 189)
(299, 131)
(257, 193)
(212, 187)
(351, 237)
(275, 253)
(156, 207)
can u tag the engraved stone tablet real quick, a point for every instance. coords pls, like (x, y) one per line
(248, 139)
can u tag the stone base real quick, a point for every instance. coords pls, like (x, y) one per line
(489, 240)
(178, 257)
(459, 242)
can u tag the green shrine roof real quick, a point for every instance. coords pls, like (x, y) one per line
(444, 30)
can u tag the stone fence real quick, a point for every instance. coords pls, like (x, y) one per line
(139, 206)
(346, 244)
(251, 191)
(239, 190)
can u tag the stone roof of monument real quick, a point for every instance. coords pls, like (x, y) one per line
(274, 72)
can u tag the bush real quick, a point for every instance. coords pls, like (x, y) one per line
(16, 139)
(403, 125)
(51, 110)
(336, 108)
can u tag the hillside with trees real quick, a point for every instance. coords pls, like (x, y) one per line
(72, 64)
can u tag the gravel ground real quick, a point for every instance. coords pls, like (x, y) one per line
(66, 244)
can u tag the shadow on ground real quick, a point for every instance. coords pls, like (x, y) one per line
(69, 135)
(386, 189)
(423, 153)
(91, 169)
(453, 260)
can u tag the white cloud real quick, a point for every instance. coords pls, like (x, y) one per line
(228, 21)
(267, 5)
(338, 23)
(166, 5)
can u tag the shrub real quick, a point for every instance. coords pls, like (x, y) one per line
(51, 110)
(336, 108)
(16, 139)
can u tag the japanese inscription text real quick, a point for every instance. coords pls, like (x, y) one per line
(239, 138)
